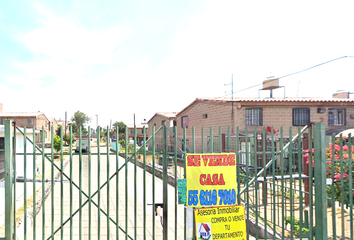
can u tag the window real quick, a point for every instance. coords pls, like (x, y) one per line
(336, 117)
(29, 121)
(1, 121)
(132, 131)
(301, 116)
(185, 121)
(163, 122)
(254, 117)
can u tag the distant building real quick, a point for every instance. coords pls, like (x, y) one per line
(139, 132)
(159, 119)
(36, 120)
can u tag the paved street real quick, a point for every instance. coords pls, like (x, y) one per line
(97, 223)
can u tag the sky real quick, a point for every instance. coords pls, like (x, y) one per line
(114, 59)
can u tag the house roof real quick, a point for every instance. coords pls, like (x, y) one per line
(257, 100)
(20, 114)
(137, 125)
(165, 114)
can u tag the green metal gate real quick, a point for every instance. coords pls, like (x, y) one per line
(289, 190)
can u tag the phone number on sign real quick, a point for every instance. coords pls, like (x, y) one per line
(212, 197)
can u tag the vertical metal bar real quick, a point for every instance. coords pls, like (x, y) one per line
(220, 142)
(43, 184)
(52, 181)
(25, 181)
(211, 140)
(185, 175)
(228, 139)
(80, 183)
(320, 182)
(290, 185)
(193, 139)
(264, 183)
(135, 182)
(9, 217)
(239, 157)
(99, 182)
(14, 178)
(153, 179)
(165, 184)
(333, 189)
(342, 185)
(34, 184)
(89, 183)
(299, 160)
(311, 194)
(108, 184)
(282, 184)
(117, 182)
(255, 174)
(126, 183)
(203, 139)
(247, 151)
(71, 182)
(350, 162)
(61, 186)
(144, 181)
(176, 177)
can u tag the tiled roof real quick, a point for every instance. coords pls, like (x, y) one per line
(167, 114)
(293, 100)
(164, 114)
(137, 125)
(286, 99)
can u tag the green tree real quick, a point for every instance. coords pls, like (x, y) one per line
(57, 132)
(120, 126)
(75, 129)
(80, 119)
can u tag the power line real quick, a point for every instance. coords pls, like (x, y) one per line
(293, 73)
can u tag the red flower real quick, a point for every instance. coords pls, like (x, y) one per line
(339, 176)
(345, 147)
(306, 155)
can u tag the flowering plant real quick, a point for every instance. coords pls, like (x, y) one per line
(340, 166)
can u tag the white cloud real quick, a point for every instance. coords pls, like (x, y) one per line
(63, 38)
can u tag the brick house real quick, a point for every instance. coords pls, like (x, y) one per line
(337, 113)
(159, 119)
(30, 120)
(139, 132)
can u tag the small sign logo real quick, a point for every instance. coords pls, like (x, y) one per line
(204, 231)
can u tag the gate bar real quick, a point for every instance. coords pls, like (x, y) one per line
(9, 217)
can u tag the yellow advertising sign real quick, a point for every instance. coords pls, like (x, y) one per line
(211, 179)
(220, 223)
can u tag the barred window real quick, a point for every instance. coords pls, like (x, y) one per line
(336, 117)
(254, 117)
(184, 121)
(29, 121)
(301, 116)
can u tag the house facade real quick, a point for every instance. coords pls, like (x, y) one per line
(162, 119)
(36, 120)
(139, 132)
(225, 114)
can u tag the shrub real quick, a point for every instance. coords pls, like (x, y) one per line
(56, 144)
(339, 167)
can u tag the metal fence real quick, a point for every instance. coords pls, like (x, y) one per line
(296, 185)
